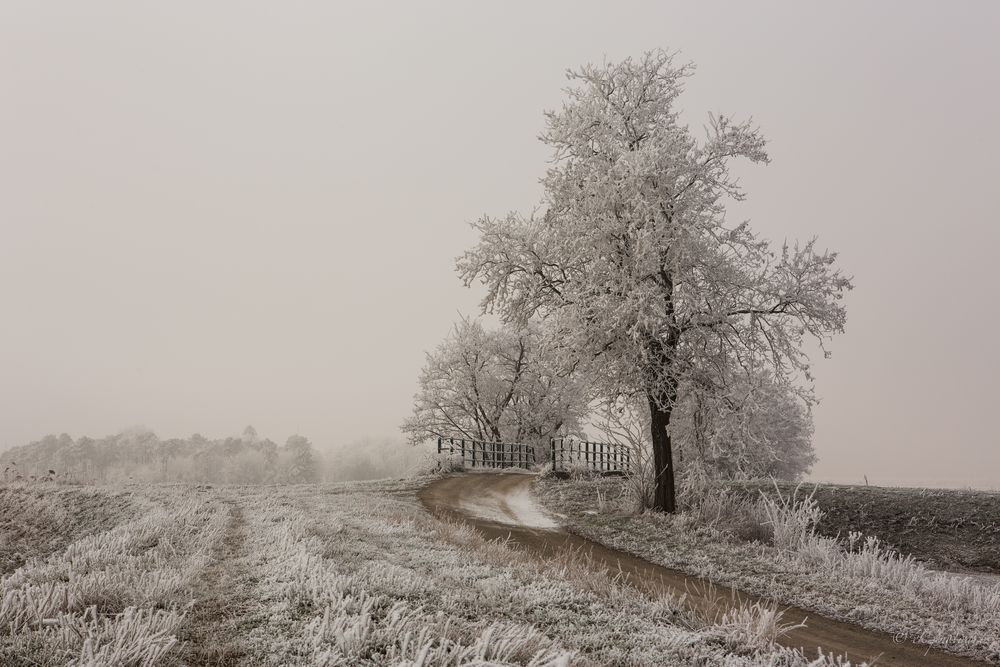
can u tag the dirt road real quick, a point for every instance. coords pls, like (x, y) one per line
(500, 505)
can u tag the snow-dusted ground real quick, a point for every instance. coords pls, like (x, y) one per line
(903, 602)
(516, 507)
(352, 574)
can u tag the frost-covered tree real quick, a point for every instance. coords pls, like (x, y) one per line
(299, 461)
(631, 259)
(501, 385)
(755, 425)
(138, 454)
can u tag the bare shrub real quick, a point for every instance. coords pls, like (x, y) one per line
(755, 626)
(792, 519)
(442, 463)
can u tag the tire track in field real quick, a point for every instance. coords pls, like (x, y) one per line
(211, 635)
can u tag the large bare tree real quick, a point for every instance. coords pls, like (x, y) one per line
(631, 259)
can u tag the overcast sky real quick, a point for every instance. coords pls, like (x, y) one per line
(231, 213)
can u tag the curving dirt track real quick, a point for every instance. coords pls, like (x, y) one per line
(499, 505)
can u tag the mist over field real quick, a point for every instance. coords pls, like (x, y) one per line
(440, 334)
(139, 455)
(252, 218)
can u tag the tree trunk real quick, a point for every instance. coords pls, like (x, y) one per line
(660, 409)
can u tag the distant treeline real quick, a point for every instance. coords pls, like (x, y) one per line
(139, 455)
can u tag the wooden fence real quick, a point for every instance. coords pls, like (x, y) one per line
(602, 457)
(484, 454)
(565, 454)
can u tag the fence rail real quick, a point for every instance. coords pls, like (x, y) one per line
(602, 457)
(486, 454)
(564, 454)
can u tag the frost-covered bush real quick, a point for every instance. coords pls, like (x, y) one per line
(717, 506)
(791, 519)
(434, 463)
(752, 626)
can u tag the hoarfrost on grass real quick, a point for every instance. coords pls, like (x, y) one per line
(769, 547)
(353, 574)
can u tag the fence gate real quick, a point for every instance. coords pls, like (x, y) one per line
(485, 454)
(602, 457)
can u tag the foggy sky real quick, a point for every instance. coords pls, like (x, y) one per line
(221, 214)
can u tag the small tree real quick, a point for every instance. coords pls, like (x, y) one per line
(300, 462)
(632, 260)
(751, 427)
(495, 385)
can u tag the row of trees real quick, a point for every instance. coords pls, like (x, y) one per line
(507, 385)
(138, 454)
(629, 292)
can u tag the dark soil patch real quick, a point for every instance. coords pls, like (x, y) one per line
(949, 529)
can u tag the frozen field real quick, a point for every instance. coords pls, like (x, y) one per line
(352, 574)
